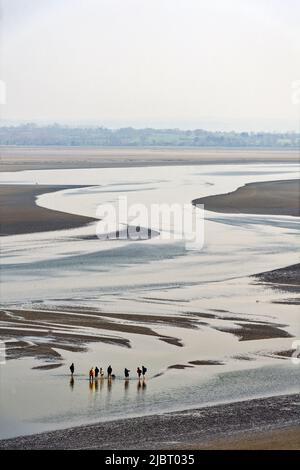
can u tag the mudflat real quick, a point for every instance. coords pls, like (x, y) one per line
(20, 214)
(268, 423)
(270, 197)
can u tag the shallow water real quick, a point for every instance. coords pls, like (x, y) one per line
(67, 268)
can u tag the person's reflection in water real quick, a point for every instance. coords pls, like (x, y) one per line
(141, 385)
(96, 385)
(91, 385)
(101, 380)
(126, 384)
(72, 382)
(109, 383)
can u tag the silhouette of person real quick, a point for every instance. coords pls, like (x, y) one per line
(144, 370)
(101, 372)
(92, 373)
(72, 368)
(139, 372)
(109, 372)
(126, 373)
(96, 372)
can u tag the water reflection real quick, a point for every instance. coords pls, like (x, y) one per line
(97, 384)
(72, 383)
(101, 380)
(91, 385)
(141, 386)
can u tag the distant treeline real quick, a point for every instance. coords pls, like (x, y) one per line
(34, 135)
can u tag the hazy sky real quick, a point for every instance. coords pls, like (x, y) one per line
(215, 64)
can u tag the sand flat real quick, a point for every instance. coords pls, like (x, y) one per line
(264, 425)
(269, 198)
(43, 158)
(20, 214)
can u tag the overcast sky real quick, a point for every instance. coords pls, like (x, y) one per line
(215, 64)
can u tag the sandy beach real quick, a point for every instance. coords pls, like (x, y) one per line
(265, 423)
(272, 197)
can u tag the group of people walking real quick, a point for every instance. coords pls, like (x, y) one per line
(96, 373)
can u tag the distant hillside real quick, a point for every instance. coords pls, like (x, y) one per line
(33, 135)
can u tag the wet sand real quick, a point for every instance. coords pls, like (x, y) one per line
(251, 332)
(271, 198)
(288, 276)
(66, 330)
(287, 438)
(20, 214)
(43, 158)
(265, 423)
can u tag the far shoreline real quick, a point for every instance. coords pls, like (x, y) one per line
(17, 158)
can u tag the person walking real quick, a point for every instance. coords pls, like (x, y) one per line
(126, 373)
(109, 372)
(96, 372)
(92, 373)
(139, 372)
(144, 370)
(72, 368)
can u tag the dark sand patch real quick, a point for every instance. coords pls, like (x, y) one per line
(46, 342)
(171, 340)
(252, 332)
(241, 357)
(207, 363)
(166, 320)
(198, 427)
(288, 353)
(233, 317)
(20, 214)
(281, 354)
(282, 277)
(272, 197)
(179, 366)
(48, 366)
(287, 302)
